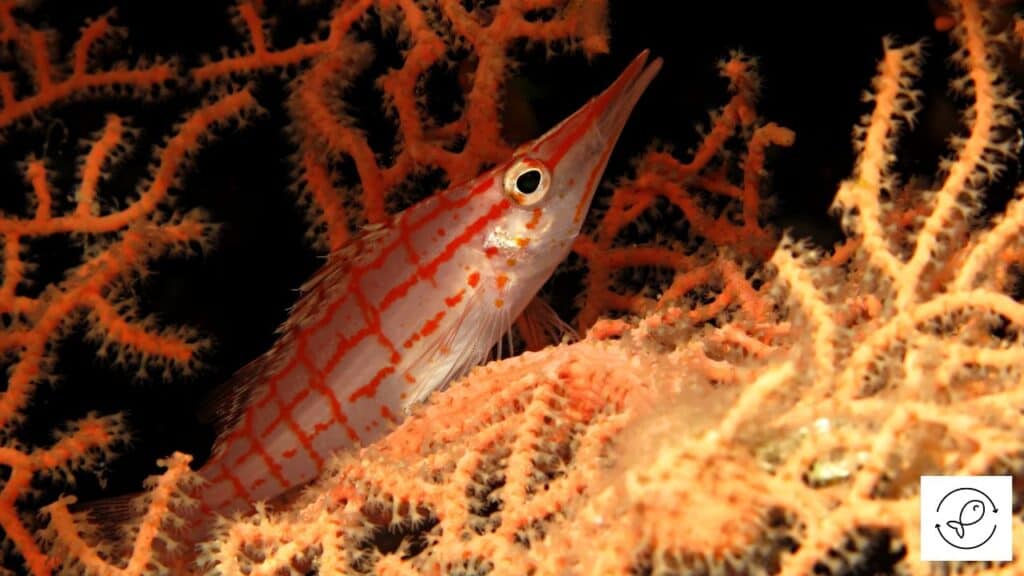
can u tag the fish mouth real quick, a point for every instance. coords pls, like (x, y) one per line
(607, 114)
(613, 107)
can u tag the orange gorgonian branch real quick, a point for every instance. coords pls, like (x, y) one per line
(83, 78)
(144, 230)
(687, 186)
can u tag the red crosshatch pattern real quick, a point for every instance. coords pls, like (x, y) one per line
(338, 375)
(403, 309)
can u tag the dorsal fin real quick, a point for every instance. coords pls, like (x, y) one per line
(329, 281)
(225, 405)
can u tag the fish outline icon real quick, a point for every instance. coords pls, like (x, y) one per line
(971, 513)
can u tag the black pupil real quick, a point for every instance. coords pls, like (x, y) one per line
(528, 181)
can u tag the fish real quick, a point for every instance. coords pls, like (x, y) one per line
(407, 307)
(970, 514)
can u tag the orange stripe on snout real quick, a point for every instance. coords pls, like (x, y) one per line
(591, 187)
(596, 107)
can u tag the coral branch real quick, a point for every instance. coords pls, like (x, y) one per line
(144, 231)
(50, 89)
(683, 184)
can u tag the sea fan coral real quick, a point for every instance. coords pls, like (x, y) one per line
(738, 417)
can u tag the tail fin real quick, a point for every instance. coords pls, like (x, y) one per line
(957, 527)
(158, 525)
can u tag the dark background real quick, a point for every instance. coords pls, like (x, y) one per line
(814, 64)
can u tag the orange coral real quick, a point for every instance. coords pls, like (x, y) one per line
(660, 175)
(144, 230)
(51, 87)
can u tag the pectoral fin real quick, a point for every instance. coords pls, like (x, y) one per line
(539, 326)
(464, 343)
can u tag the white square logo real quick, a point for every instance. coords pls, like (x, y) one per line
(967, 518)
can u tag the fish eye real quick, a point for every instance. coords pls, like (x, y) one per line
(527, 181)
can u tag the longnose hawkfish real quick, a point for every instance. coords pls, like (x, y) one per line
(405, 308)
